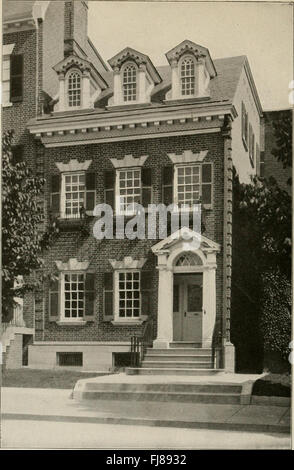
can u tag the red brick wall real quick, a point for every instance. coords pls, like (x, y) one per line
(98, 252)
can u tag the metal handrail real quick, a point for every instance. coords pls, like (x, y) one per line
(139, 344)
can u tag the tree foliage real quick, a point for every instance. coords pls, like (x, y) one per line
(261, 245)
(23, 239)
(283, 134)
(276, 313)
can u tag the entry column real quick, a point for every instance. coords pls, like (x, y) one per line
(165, 304)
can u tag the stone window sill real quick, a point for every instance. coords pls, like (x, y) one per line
(71, 323)
(7, 105)
(131, 322)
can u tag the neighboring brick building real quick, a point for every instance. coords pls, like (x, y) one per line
(135, 133)
(270, 165)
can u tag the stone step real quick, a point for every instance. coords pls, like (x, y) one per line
(171, 371)
(184, 344)
(177, 387)
(180, 351)
(175, 364)
(177, 358)
(183, 397)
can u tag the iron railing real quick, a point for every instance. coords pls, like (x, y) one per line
(139, 344)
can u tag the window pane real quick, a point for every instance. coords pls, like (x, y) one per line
(129, 295)
(74, 194)
(74, 295)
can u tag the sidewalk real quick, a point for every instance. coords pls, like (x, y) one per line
(56, 405)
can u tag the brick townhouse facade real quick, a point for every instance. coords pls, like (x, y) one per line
(126, 133)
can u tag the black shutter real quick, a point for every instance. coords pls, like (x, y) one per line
(54, 298)
(90, 191)
(55, 194)
(17, 154)
(206, 186)
(109, 187)
(108, 296)
(146, 291)
(89, 296)
(167, 184)
(16, 78)
(146, 180)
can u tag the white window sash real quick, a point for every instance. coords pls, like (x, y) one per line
(117, 318)
(175, 183)
(117, 191)
(62, 316)
(5, 89)
(63, 214)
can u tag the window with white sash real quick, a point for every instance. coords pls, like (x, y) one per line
(128, 190)
(193, 183)
(129, 294)
(73, 194)
(187, 71)
(129, 76)
(7, 50)
(74, 295)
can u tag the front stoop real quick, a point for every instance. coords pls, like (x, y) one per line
(181, 358)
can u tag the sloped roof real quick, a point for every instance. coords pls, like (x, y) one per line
(222, 87)
(16, 10)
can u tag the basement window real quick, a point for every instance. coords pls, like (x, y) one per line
(73, 359)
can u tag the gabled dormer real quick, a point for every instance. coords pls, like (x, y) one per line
(134, 77)
(191, 71)
(79, 84)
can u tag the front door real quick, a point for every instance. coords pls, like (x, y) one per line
(187, 307)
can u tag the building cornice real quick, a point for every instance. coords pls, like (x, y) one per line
(24, 24)
(121, 125)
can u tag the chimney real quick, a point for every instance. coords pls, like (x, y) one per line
(75, 28)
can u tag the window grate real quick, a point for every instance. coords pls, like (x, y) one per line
(73, 359)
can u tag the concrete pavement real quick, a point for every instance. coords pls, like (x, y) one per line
(57, 406)
(36, 434)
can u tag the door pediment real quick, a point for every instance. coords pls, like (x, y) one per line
(185, 236)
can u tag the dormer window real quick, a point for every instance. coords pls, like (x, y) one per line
(130, 82)
(80, 84)
(187, 71)
(191, 71)
(74, 89)
(134, 78)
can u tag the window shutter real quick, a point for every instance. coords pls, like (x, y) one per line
(16, 78)
(108, 297)
(252, 149)
(146, 180)
(206, 187)
(17, 154)
(55, 194)
(90, 192)
(109, 186)
(146, 286)
(244, 123)
(89, 296)
(54, 299)
(167, 184)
